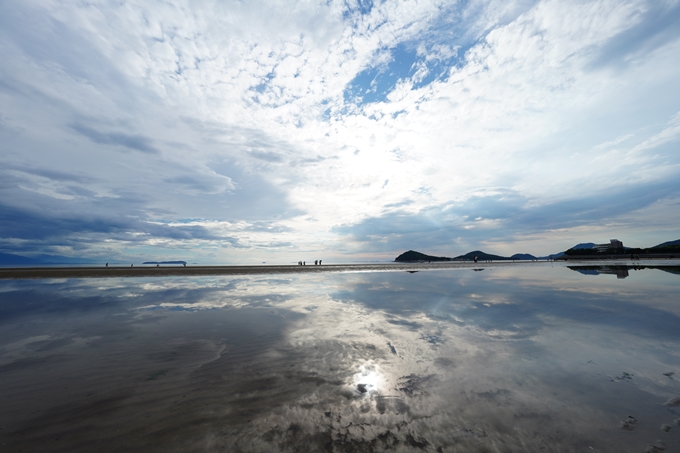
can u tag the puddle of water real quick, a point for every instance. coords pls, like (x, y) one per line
(544, 358)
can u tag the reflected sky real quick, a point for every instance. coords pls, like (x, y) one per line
(506, 359)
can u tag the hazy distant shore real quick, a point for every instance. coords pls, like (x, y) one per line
(171, 271)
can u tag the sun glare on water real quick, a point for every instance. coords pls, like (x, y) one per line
(368, 379)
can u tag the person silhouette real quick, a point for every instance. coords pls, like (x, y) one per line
(319, 262)
(107, 264)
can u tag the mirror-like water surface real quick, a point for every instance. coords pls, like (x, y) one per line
(551, 359)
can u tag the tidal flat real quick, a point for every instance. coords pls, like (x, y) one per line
(544, 358)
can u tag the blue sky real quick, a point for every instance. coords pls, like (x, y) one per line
(242, 132)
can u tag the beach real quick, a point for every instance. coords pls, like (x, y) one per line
(197, 271)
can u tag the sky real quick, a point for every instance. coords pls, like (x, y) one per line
(348, 131)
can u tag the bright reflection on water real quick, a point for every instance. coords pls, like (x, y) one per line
(532, 358)
(368, 380)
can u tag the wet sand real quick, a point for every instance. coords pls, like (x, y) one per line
(149, 271)
(189, 271)
(519, 358)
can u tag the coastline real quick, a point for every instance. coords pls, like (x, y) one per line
(175, 271)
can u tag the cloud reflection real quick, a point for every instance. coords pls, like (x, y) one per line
(435, 361)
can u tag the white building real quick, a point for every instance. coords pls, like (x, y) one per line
(613, 244)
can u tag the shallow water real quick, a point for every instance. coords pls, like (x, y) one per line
(552, 359)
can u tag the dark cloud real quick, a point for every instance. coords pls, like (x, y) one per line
(394, 223)
(435, 228)
(596, 207)
(28, 225)
(41, 230)
(76, 191)
(252, 142)
(133, 142)
(9, 180)
(501, 204)
(54, 175)
(32, 222)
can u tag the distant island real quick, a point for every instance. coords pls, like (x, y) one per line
(413, 256)
(614, 247)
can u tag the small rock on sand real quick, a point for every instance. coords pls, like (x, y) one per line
(665, 428)
(658, 446)
(673, 401)
(669, 374)
(629, 423)
(624, 377)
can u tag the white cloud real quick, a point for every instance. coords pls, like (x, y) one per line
(236, 112)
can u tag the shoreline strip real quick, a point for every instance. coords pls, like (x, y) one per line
(189, 271)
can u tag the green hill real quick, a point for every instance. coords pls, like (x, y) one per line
(670, 244)
(412, 255)
(481, 256)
